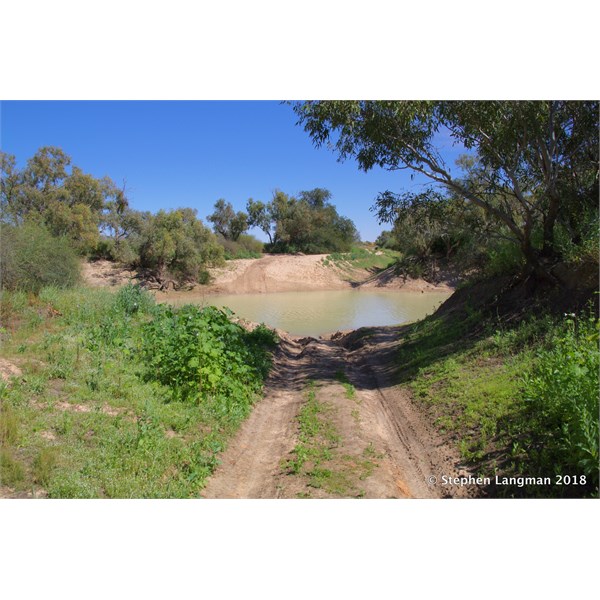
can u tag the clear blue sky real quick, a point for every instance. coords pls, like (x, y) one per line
(174, 154)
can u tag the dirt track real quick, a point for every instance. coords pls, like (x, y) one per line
(276, 273)
(380, 418)
(386, 448)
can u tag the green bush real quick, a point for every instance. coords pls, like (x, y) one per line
(31, 258)
(562, 390)
(200, 352)
(587, 247)
(131, 299)
(503, 259)
(121, 252)
(246, 246)
(175, 244)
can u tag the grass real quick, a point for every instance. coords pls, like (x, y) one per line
(318, 456)
(12, 470)
(474, 377)
(317, 435)
(348, 387)
(85, 420)
(361, 258)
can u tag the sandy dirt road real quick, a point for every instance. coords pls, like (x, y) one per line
(380, 421)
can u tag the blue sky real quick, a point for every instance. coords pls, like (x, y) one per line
(192, 153)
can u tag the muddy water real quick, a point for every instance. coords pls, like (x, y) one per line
(316, 313)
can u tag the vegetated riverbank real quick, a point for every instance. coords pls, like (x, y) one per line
(118, 397)
(498, 382)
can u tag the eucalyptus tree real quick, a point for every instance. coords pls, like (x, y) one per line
(533, 164)
(51, 191)
(307, 223)
(227, 222)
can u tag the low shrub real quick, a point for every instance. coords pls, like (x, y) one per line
(200, 352)
(31, 258)
(246, 246)
(562, 391)
(504, 258)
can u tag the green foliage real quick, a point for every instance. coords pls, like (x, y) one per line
(44, 464)
(317, 436)
(503, 257)
(360, 257)
(562, 390)
(226, 222)
(9, 426)
(176, 244)
(319, 455)
(308, 224)
(386, 240)
(11, 469)
(93, 217)
(200, 352)
(115, 430)
(518, 399)
(121, 227)
(520, 169)
(122, 251)
(348, 387)
(32, 258)
(433, 225)
(131, 299)
(259, 215)
(69, 202)
(584, 245)
(246, 246)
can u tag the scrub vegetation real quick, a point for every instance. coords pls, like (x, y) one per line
(120, 397)
(108, 394)
(365, 256)
(517, 400)
(308, 223)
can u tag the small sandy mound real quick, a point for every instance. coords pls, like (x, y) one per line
(8, 370)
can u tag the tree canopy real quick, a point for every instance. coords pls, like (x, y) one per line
(308, 223)
(53, 198)
(176, 243)
(49, 191)
(533, 165)
(227, 222)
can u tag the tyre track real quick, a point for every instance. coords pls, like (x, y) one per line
(386, 417)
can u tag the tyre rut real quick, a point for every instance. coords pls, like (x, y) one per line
(384, 417)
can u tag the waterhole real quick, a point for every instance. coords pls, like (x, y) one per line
(316, 313)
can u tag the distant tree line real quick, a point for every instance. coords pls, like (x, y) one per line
(51, 211)
(308, 223)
